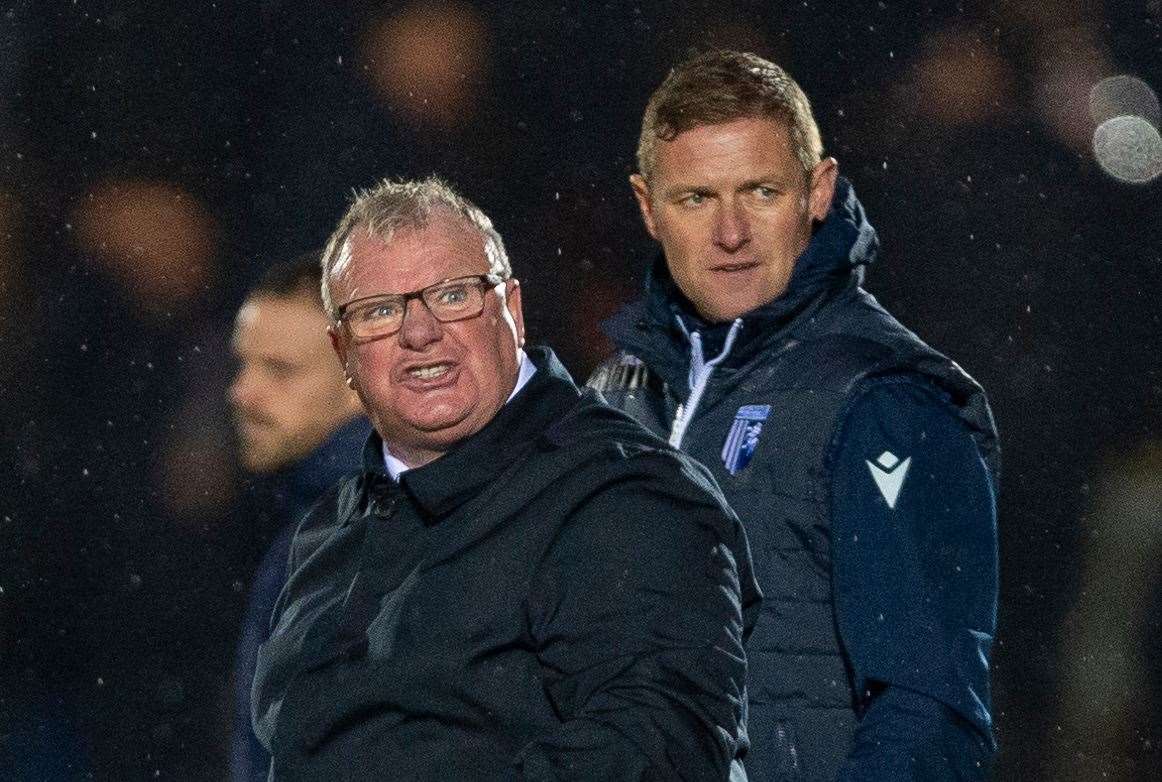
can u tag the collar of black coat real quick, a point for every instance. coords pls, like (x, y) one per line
(840, 247)
(524, 423)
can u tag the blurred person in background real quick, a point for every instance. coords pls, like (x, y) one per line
(522, 582)
(298, 424)
(863, 463)
(1111, 644)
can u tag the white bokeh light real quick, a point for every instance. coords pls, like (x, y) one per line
(1124, 96)
(1129, 148)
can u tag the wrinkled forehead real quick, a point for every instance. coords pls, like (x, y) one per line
(408, 258)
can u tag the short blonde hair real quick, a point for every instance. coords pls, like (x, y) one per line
(722, 86)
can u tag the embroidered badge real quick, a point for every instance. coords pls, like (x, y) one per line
(743, 437)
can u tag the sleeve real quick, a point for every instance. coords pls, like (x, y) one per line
(914, 536)
(248, 759)
(639, 622)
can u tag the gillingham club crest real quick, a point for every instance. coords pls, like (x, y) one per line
(743, 438)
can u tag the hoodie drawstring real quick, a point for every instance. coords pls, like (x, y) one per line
(700, 371)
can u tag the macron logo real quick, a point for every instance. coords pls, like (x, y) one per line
(889, 472)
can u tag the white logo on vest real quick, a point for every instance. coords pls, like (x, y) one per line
(889, 473)
(743, 437)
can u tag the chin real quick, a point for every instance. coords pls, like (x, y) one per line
(432, 431)
(742, 304)
(720, 314)
(438, 419)
(257, 466)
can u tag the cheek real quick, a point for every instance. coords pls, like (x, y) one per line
(786, 230)
(482, 365)
(369, 362)
(684, 231)
(299, 420)
(319, 394)
(291, 404)
(682, 243)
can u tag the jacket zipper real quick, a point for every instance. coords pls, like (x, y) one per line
(699, 376)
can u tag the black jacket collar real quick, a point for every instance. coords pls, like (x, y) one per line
(441, 486)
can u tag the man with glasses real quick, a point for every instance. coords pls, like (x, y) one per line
(521, 583)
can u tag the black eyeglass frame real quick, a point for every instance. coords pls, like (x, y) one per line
(488, 280)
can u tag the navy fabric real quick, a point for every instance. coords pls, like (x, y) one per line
(915, 582)
(560, 596)
(815, 669)
(299, 487)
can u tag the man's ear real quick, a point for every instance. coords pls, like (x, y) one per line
(823, 177)
(641, 191)
(340, 348)
(513, 302)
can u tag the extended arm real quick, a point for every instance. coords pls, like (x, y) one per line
(639, 616)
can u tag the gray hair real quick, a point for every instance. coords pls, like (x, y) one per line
(408, 204)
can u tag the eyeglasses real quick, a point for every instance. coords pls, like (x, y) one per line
(382, 315)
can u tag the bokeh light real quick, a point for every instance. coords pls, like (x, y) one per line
(1129, 149)
(960, 80)
(430, 60)
(1121, 96)
(154, 238)
(1069, 61)
(196, 473)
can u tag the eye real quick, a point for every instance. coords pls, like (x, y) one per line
(692, 199)
(280, 370)
(766, 192)
(383, 310)
(452, 295)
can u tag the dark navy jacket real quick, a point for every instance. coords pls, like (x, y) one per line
(298, 489)
(864, 465)
(559, 597)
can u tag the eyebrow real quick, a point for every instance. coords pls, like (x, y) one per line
(769, 181)
(279, 362)
(681, 188)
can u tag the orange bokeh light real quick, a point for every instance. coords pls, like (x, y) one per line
(961, 81)
(429, 60)
(154, 238)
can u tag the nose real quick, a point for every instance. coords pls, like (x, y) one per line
(241, 391)
(731, 226)
(420, 327)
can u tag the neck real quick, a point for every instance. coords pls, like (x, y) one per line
(415, 457)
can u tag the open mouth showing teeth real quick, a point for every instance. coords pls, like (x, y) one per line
(428, 373)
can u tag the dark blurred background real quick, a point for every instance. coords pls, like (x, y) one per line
(155, 157)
